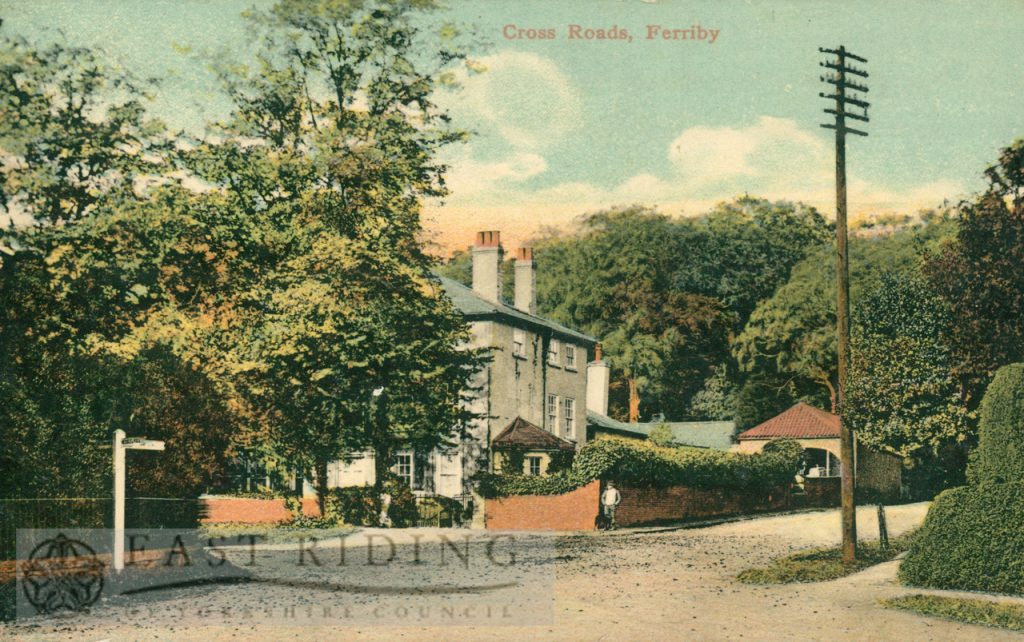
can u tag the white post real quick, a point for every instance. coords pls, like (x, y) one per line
(119, 500)
(121, 444)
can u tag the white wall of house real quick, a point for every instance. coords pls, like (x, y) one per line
(442, 474)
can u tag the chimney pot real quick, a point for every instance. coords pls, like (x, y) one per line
(490, 238)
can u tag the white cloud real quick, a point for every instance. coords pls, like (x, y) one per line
(523, 97)
(772, 158)
(773, 152)
(469, 176)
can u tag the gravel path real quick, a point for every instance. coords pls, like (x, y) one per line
(641, 584)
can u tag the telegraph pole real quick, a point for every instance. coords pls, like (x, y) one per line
(844, 94)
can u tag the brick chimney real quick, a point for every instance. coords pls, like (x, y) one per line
(487, 257)
(598, 378)
(526, 281)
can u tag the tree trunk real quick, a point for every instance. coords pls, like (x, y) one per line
(634, 402)
(831, 395)
(320, 469)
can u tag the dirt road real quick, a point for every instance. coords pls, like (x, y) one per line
(644, 584)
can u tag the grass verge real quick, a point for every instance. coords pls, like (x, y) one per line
(969, 611)
(273, 533)
(823, 564)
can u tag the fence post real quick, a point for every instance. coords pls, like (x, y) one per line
(883, 529)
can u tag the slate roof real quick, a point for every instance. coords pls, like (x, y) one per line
(525, 435)
(697, 434)
(799, 422)
(473, 306)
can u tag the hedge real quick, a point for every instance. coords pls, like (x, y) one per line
(357, 505)
(972, 539)
(645, 464)
(1000, 452)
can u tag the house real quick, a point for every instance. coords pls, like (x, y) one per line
(695, 434)
(531, 398)
(818, 432)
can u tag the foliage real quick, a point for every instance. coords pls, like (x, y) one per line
(824, 564)
(999, 456)
(664, 294)
(260, 311)
(980, 276)
(513, 459)
(642, 463)
(111, 343)
(661, 435)
(332, 142)
(358, 505)
(716, 401)
(788, 449)
(72, 127)
(959, 609)
(971, 540)
(760, 398)
(560, 460)
(502, 485)
(902, 397)
(792, 333)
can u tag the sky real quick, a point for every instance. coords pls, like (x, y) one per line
(564, 126)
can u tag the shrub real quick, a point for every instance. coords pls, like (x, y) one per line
(561, 460)
(972, 539)
(786, 448)
(501, 484)
(644, 464)
(661, 435)
(357, 505)
(1000, 452)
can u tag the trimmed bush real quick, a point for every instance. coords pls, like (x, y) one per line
(502, 485)
(973, 539)
(1000, 452)
(644, 464)
(356, 505)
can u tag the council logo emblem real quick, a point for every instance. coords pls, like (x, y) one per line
(62, 574)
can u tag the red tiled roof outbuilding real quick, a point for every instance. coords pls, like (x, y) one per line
(799, 422)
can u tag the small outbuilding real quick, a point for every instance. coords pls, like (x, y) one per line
(525, 448)
(877, 473)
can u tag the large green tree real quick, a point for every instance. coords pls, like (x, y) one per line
(333, 143)
(792, 333)
(72, 127)
(902, 395)
(980, 276)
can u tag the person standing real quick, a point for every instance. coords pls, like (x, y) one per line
(610, 498)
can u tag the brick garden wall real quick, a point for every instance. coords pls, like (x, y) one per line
(573, 511)
(822, 492)
(219, 510)
(640, 505)
(645, 505)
